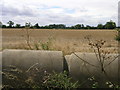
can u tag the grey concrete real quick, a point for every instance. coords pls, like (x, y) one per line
(81, 70)
(48, 60)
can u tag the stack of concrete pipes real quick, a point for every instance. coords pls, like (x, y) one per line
(80, 66)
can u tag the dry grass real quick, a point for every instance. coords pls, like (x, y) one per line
(66, 40)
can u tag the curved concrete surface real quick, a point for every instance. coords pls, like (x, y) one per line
(48, 60)
(81, 66)
(81, 70)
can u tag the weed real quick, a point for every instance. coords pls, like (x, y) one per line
(27, 36)
(102, 57)
(118, 36)
(48, 44)
(14, 77)
(59, 80)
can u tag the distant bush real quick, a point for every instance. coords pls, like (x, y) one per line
(118, 36)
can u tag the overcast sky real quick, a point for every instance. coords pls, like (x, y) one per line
(69, 12)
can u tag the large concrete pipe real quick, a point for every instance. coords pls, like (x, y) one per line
(85, 65)
(24, 59)
(81, 66)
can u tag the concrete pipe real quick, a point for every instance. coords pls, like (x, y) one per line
(25, 59)
(85, 65)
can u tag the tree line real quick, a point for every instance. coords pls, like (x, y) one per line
(109, 25)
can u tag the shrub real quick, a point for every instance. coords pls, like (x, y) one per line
(45, 46)
(59, 80)
(118, 36)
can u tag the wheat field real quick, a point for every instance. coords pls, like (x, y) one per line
(67, 41)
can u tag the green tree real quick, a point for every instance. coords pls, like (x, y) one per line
(100, 26)
(11, 23)
(88, 27)
(4, 26)
(78, 26)
(0, 24)
(82, 26)
(56, 26)
(110, 25)
(28, 25)
(18, 26)
(36, 25)
(61, 26)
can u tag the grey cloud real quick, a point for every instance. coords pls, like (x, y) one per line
(90, 14)
(12, 11)
(62, 18)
